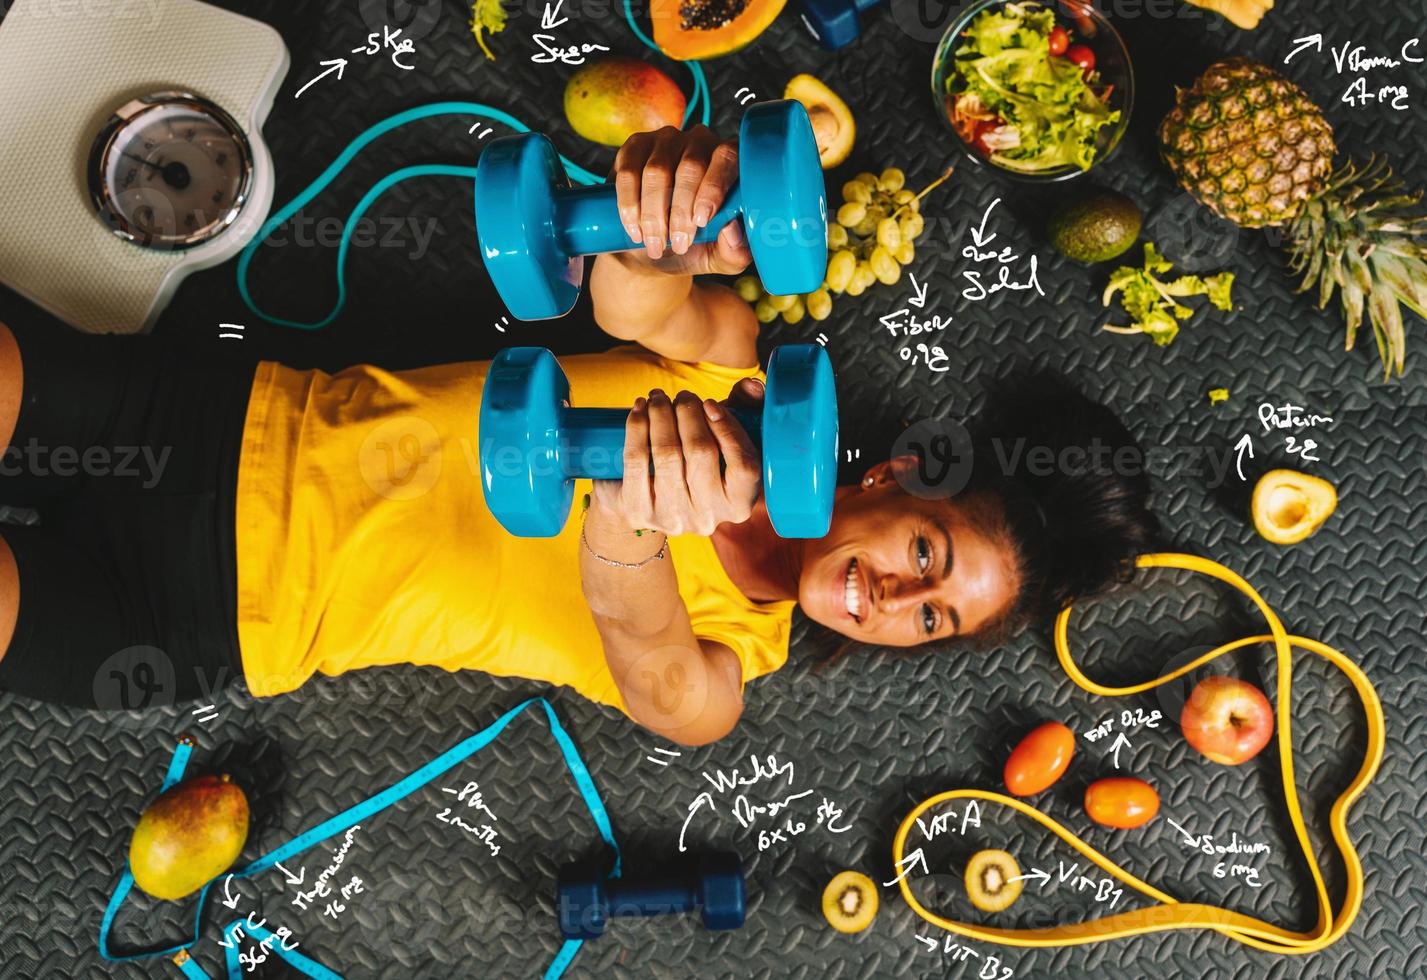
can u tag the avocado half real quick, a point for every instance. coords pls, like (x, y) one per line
(831, 118)
(1288, 506)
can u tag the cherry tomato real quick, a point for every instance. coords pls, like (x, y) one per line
(1082, 56)
(1040, 759)
(1059, 40)
(1121, 802)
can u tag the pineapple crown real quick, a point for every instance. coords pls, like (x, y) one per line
(1358, 236)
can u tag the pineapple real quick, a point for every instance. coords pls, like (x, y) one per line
(1252, 147)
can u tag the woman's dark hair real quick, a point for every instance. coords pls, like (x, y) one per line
(1063, 481)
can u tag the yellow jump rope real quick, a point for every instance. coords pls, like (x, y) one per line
(1168, 912)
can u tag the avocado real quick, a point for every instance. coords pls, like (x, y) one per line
(833, 126)
(1096, 227)
(1288, 506)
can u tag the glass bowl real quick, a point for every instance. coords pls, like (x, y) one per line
(1087, 26)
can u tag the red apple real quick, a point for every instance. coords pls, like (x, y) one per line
(1227, 720)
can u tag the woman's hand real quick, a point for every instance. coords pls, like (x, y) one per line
(685, 439)
(668, 185)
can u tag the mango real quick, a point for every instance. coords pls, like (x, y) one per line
(188, 836)
(609, 101)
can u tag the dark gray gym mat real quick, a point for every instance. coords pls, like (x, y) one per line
(876, 732)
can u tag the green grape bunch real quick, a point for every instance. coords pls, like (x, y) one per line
(871, 240)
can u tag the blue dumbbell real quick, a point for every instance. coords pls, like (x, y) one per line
(834, 23)
(587, 899)
(535, 229)
(533, 445)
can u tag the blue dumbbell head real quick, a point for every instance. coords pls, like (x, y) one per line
(535, 229)
(784, 203)
(834, 22)
(581, 902)
(517, 180)
(722, 896)
(800, 440)
(521, 471)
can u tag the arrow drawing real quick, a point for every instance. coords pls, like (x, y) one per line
(920, 298)
(547, 19)
(910, 861)
(978, 234)
(1036, 873)
(1189, 839)
(1311, 41)
(229, 900)
(1121, 742)
(1246, 443)
(291, 878)
(703, 797)
(339, 65)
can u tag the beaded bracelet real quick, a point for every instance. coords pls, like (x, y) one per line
(638, 532)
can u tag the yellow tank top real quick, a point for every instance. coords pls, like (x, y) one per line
(363, 537)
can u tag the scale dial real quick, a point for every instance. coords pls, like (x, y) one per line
(170, 171)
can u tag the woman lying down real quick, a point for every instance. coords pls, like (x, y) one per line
(284, 523)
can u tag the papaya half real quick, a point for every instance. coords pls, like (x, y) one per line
(690, 30)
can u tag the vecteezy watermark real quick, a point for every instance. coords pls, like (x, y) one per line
(943, 452)
(776, 231)
(126, 10)
(1172, 695)
(943, 459)
(1192, 236)
(667, 684)
(400, 458)
(388, 232)
(144, 463)
(135, 678)
(414, 19)
(928, 20)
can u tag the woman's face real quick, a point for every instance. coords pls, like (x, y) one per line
(897, 570)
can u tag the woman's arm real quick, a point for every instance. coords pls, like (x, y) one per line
(668, 185)
(672, 683)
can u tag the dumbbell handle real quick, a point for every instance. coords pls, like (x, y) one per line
(587, 220)
(592, 440)
(650, 896)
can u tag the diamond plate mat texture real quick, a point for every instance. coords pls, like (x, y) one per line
(874, 732)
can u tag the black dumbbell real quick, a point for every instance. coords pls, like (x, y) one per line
(588, 898)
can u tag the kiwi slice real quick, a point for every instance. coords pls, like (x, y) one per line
(991, 880)
(850, 901)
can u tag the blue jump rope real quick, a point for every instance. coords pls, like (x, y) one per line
(476, 109)
(336, 825)
(462, 751)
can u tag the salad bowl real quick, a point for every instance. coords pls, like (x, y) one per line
(1041, 92)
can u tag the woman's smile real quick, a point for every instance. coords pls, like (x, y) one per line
(855, 593)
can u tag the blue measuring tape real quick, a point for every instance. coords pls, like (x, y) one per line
(341, 822)
(576, 172)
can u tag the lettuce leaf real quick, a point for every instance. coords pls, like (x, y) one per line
(1150, 302)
